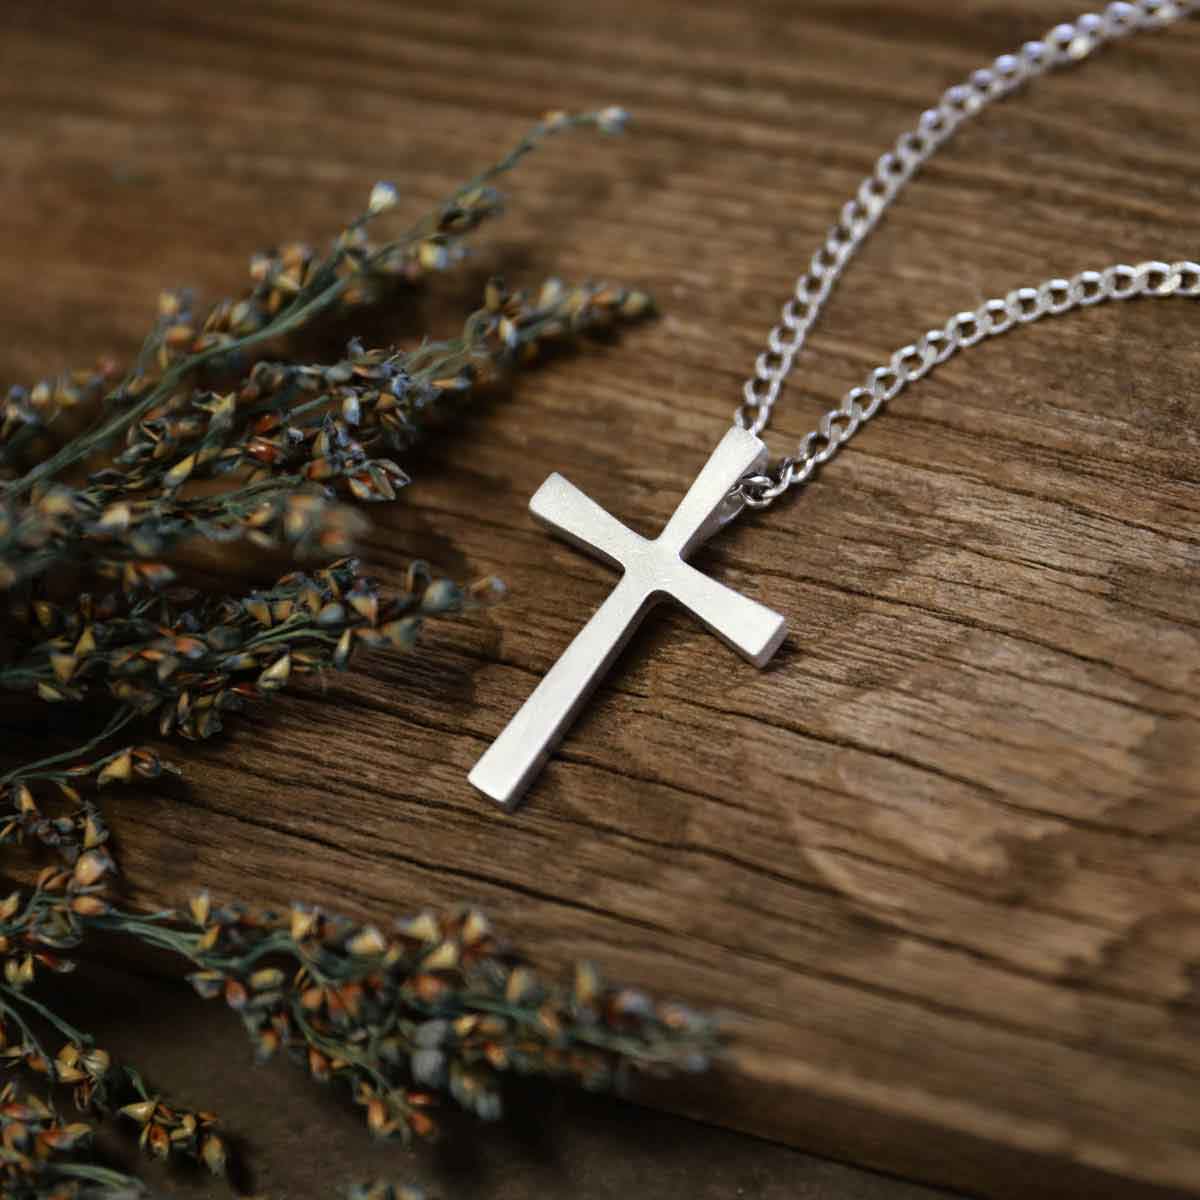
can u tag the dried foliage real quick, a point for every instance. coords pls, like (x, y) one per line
(400, 1015)
(205, 442)
(221, 432)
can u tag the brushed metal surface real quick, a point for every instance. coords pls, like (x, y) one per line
(655, 569)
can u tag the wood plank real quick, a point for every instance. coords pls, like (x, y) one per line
(941, 860)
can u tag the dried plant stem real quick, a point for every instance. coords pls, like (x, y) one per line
(327, 288)
(121, 717)
(400, 1013)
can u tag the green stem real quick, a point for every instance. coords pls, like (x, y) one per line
(541, 131)
(64, 1027)
(339, 1050)
(83, 445)
(102, 1175)
(118, 721)
(249, 492)
(291, 318)
(182, 942)
(30, 1037)
(284, 633)
(296, 314)
(599, 1039)
(154, 935)
(137, 1082)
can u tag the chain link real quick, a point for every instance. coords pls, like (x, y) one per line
(993, 317)
(1065, 44)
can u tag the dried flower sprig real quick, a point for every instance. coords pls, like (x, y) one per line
(44, 1157)
(185, 657)
(287, 440)
(187, 660)
(433, 1006)
(230, 434)
(170, 1131)
(269, 454)
(292, 288)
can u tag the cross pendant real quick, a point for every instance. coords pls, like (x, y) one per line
(654, 569)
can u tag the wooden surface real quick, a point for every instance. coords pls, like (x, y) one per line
(942, 858)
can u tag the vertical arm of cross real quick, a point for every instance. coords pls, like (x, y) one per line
(704, 509)
(752, 629)
(513, 759)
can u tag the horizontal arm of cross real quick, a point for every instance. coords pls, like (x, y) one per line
(750, 628)
(561, 506)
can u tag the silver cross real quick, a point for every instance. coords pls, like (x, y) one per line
(654, 569)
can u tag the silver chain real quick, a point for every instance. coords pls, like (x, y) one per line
(1063, 45)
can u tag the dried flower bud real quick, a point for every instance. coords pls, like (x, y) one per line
(367, 942)
(89, 906)
(612, 120)
(119, 769)
(141, 1111)
(214, 1154)
(383, 196)
(91, 867)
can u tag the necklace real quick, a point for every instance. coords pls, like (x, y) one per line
(736, 475)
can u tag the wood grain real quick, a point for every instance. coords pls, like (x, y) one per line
(943, 858)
